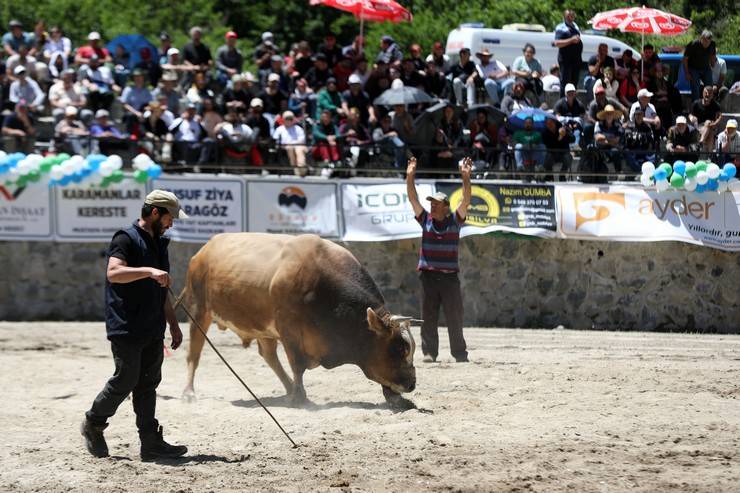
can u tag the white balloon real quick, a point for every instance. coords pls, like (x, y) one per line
(23, 167)
(34, 160)
(689, 185)
(68, 167)
(734, 185)
(3, 155)
(646, 181)
(14, 174)
(713, 171)
(105, 171)
(648, 168)
(702, 178)
(116, 161)
(662, 185)
(723, 186)
(56, 172)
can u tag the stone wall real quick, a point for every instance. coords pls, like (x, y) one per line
(507, 282)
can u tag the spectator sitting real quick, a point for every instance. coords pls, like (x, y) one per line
(229, 59)
(342, 70)
(302, 102)
(718, 67)
(302, 61)
(682, 139)
(15, 38)
(165, 43)
(570, 111)
(389, 142)
(197, 54)
(18, 130)
(175, 66)
(354, 50)
(705, 116)
(191, 139)
(154, 125)
(291, 137)
(150, 66)
(85, 53)
(134, 99)
(551, 81)
(5, 103)
(210, 118)
(199, 90)
(261, 128)
(438, 58)
(57, 43)
(167, 116)
(648, 110)
(403, 124)
(452, 126)
(435, 82)
(362, 70)
(629, 88)
(528, 69)
(390, 53)
(57, 65)
(274, 100)
(355, 97)
(648, 59)
(492, 74)
(378, 81)
(355, 138)
(329, 99)
(666, 98)
(121, 65)
(325, 141)
(529, 151)
(462, 75)
(234, 136)
(98, 80)
(66, 93)
(600, 102)
(107, 138)
(484, 136)
(728, 144)
(608, 82)
(330, 49)
(627, 60)
(516, 100)
(22, 59)
(596, 65)
(410, 76)
(168, 89)
(319, 73)
(608, 139)
(26, 89)
(443, 153)
(557, 139)
(639, 137)
(71, 132)
(276, 67)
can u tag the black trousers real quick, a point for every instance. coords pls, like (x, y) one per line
(138, 372)
(568, 75)
(438, 288)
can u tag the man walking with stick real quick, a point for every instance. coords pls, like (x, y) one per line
(136, 311)
(438, 264)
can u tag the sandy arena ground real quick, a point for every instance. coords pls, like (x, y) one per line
(535, 410)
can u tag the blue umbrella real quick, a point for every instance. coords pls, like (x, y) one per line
(539, 116)
(132, 43)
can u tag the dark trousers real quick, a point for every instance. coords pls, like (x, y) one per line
(568, 75)
(138, 372)
(438, 288)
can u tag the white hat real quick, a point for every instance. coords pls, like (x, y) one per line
(248, 76)
(70, 111)
(266, 35)
(273, 77)
(355, 79)
(681, 119)
(173, 51)
(102, 113)
(256, 102)
(731, 123)
(94, 36)
(288, 114)
(645, 93)
(570, 87)
(20, 69)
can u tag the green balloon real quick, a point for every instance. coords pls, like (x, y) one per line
(22, 181)
(141, 176)
(34, 175)
(45, 167)
(63, 157)
(691, 170)
(116, 176)
(677, 181)
(105, 182)
(701, 166)
(667, 167)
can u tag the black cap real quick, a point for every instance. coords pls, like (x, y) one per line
(163, 35)
(319, 56)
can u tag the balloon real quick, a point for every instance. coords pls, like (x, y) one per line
(677, 181)
(56, 172)
(105, 182)
(667, 167)
(21, 181)
(733, 185)
(662, 185)
(154, 171)
(68, 167)
(34, 175)
(117, 176)
(648, 168)
(141, 176)
(646, 181)
(701, 165)
(660, 175)
(723, 176)
(713, 171)
(66, 179)
(689, 185)
(691, 170)
(23, 167)
(106, 169)
(730, 169)
(116, 161)
(45, 167)
(142, 162)
(713, 185)
(702, 178)
(679, 167)
(63, 157)
(3, 155)
(722, 186)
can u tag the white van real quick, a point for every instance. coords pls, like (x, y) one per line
(506, 45)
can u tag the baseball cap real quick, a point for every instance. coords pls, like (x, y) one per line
(173, 51)
(168, 200)
(276, 58)
(331, 80)
(248, 76)
(256, 102)
(645, 93)
(94, 36)
(266, 35)
(14, 23)
(387, 39)
(288, 114)
(70, 111)
(20, 69)
(440, 197)
(101, 113)
(231, 34)
(570, 87)
(355, 79)
(731, 123)
(273, 78)
(681, 119)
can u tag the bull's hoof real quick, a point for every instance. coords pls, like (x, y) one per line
(188, 395)
(396, 402)
(298, 401)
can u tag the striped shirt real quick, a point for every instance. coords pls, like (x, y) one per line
(439, 243)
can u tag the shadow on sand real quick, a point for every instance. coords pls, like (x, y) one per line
(284, 401)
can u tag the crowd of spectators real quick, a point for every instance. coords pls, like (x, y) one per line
(313, 107)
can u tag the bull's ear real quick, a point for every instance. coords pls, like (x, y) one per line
(375, 323)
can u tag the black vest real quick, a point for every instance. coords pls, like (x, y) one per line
(136, 309)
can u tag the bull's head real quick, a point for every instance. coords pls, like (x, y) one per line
(391, 356)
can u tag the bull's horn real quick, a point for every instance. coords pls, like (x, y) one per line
(400, 318)
(417, 321)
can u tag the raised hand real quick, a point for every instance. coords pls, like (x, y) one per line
(411, 166)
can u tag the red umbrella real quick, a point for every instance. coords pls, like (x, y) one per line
(641, 20)
(369, 10)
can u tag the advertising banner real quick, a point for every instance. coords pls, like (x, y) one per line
(215, 205)
(635, 214)
(293, 207)
(517, 208)
(94, 214)
(380, 211)
(25, 212)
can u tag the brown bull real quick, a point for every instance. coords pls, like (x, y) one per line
(308, 293)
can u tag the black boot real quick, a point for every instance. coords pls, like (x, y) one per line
(94, 439)
(154, 447)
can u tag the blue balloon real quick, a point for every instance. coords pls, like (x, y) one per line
(660, 174)
(713, 185)
(730, 169)
(154, 171)
(679, 167)
(76, 177)
(66, 179)
(700, 188)
(723, 176)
